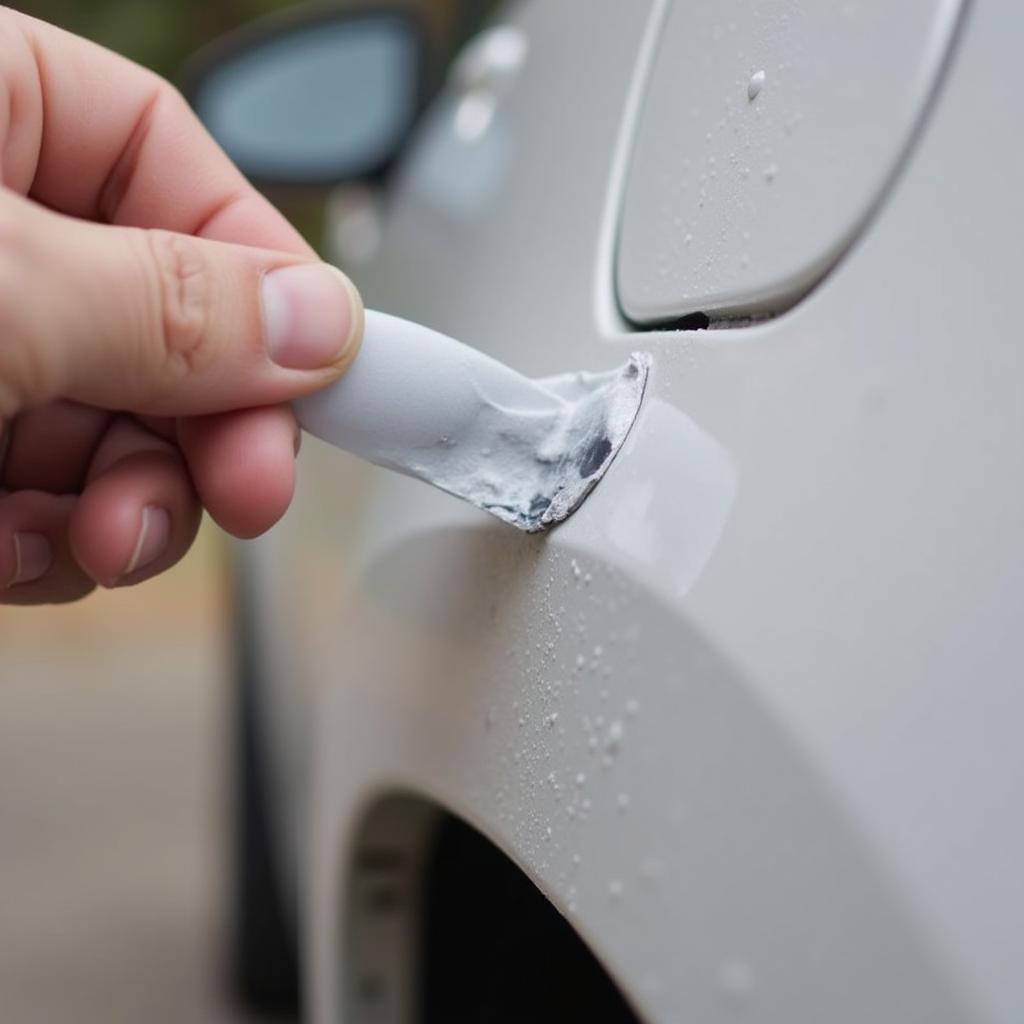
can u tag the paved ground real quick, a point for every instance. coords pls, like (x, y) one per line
(111, 725)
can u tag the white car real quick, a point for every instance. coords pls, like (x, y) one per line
(742, 739)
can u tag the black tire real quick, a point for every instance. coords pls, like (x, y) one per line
(263, 951)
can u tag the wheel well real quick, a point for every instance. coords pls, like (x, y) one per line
(443, 928)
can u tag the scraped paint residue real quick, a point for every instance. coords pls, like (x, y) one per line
(532, 467)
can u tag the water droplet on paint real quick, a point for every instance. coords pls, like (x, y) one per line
(755, 84)
(615, 889)
(613, 739)
(632, 707)
(622, 801)
(769, 173)
(581, 779)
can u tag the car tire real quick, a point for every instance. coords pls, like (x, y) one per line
(263, 951)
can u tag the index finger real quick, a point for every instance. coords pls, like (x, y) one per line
(91, 134)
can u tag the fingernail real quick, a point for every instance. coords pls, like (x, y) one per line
(311, 315)
(154, 533)
(33, 555)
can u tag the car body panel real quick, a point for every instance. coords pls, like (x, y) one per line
(780, 641)
(768, 133)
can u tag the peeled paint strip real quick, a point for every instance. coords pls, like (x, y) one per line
(425, 405)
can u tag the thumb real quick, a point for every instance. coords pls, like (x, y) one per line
(149, 321)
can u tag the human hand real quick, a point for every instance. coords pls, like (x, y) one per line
(155, 315)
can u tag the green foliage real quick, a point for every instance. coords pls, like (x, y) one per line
(163, 34)
(158, 33)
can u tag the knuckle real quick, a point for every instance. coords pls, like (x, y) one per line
(183, 301)
(171, 95)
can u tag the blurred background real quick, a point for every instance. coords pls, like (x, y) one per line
(113, 726)
(115, 713)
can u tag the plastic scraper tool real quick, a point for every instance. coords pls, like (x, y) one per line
(528, 451)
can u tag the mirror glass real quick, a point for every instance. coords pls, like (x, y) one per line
(320, 102)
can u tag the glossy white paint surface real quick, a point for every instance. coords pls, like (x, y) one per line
(767, 135)
(781, 642)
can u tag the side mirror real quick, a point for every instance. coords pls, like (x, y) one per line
(314, 98)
